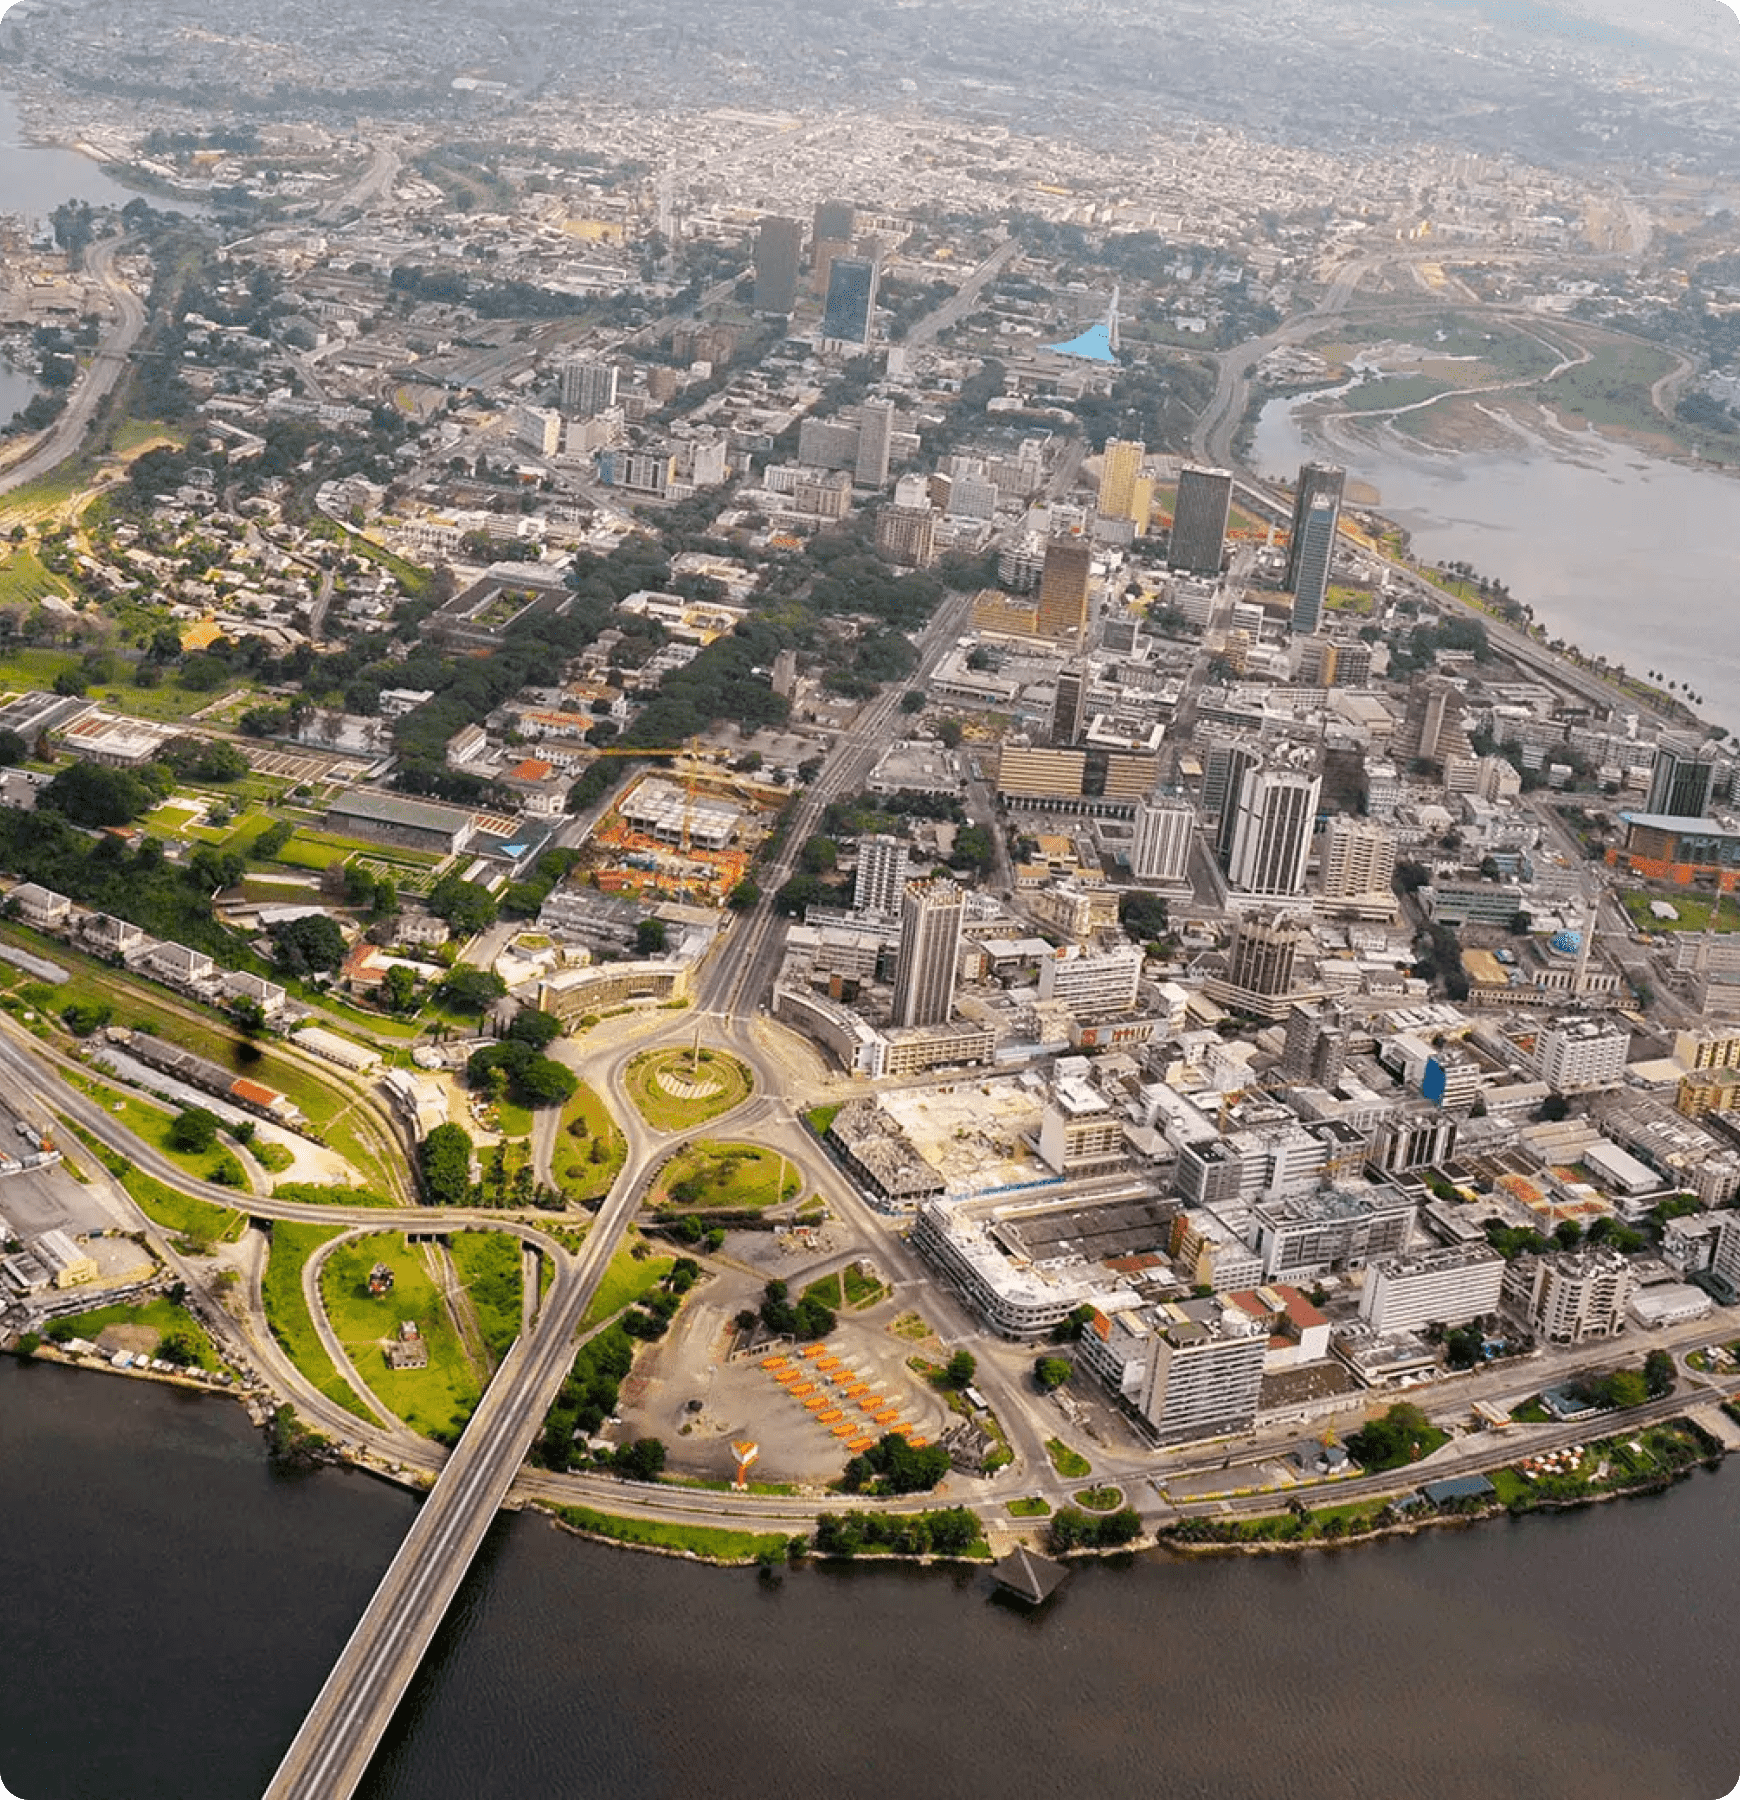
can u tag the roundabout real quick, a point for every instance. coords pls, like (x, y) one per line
(676, 1090)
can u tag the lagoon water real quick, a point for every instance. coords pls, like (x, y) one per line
(1625, 555)
(171, 1607)
(35, 180)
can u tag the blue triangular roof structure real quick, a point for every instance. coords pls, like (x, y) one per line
(1099, 343)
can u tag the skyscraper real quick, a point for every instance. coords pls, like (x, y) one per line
(588, 388)
(834, 221)
(1223, 784)
(1265, 953)
(1316, 480)
(778, 249)
(1120, 472)
(1271, 840)
(875, 442)
(906, 535)
(882, 875)
(1063, 589)
(1683, 778)
(1312, 554)
(930, 945)
(1199, 520)
(1161, 849)
(851, 303)
(1070, 705)
(1359, 858)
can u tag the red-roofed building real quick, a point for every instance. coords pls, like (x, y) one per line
(1298, 1330)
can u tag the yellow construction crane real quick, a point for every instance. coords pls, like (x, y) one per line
(692, 750)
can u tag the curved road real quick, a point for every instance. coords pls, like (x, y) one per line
(66, 434)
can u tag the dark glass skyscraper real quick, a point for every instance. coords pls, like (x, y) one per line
(778, 250)
(1315, 480)
(1199, 520)
(851, 302)
(1312, 554)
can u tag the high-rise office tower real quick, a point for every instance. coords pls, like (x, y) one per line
(930, 946)
(1316, 481)
(851, 303)
(588, 388)
(1265, 951)
(1316, 1046)
(1359, 858)
(1070, 706)
(1312, 555)
(779, 246)
(875, 443)
(1161, 848)
(1271, 842)
(1063, 589)
(1682, 781)
(906, 535)
(834, 221)
(1229, 766)
(882, 875)
(1199, 519)
(1120, 474)
(1433, 705)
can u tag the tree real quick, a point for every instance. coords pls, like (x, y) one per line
(643, 1460)
(1051, 1372)
(1143, 916)
(194, 1131)
(1400, 1436)
(894, 1467)
(649, 937)
(465, 905)
(819, 855)
(13, 750)
(912, 701)
(307, 945)
(961, 1369)
(470, 990)
(88, 794)
(444, 1157)
(399, 989)
(535, 1027)
(744, 897)
(1658, 1374)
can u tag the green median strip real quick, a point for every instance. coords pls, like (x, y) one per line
(288, 1315)
(696, 1540)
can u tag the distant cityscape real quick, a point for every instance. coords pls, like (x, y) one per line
(622, 678)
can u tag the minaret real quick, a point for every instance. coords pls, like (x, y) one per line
(1586, 949)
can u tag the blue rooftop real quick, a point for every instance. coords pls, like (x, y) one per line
(1094, 345)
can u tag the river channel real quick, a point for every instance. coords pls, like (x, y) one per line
(1628, 556)
(172, 1605)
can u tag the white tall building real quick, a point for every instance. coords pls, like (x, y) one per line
(1161, 851)
(875, 442)
(1577, 1294)
(882, 875)
(1437, 1287)
(1725, 1260)
(588, 388)
(1359, 858)
(930, 947)
(1271, 840)
(1574, 1054)
(539, 428)
(1205, 1371)
(1091, 984)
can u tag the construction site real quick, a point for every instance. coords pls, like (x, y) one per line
(688, 835)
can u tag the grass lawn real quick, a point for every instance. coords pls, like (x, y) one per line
(436, 1401)
(489, 1264)
(1070, 1464)
(1694, 911)
(157, 1315)
(151, 1124)
(590, 1150)
(288, 1314)
(827, 1290)
(1531, 1412)
(513, 1121)
(1031, 1508)
(1394, 390)
(625, 1281)
(201, 1223)
(664, 1110)
(1100, 1499)
(700, 1540)
(714, 1177)
(24, 580)
(1614, 388)
(819, 1118)
(860, 1289)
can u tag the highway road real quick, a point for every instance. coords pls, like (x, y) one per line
(66, 434)
(965, 297)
